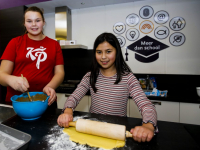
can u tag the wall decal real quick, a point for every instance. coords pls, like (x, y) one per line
(161, 17)
(132, 34)
(146, 12)
(132, 20)
(119, 28)
(161, 32)
(177, 39)
(177, 23)
(122, 40)
(146, 26)
(147, 49)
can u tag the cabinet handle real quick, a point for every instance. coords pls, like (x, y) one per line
(156, 103)
(67, 95)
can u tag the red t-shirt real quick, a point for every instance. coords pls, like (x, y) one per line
(34, 59)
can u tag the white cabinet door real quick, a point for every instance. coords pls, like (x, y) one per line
(190, 113)
(167, 111)
(134, 111)
(61, 98)
(128, 108)
(82, 106)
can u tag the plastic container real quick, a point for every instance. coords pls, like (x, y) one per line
(29, 110)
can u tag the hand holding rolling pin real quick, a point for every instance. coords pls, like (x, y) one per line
(143, 133)
(64, 119)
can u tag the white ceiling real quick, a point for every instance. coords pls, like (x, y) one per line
(49, 6)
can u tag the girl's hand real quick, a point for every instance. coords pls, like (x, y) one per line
(50, 92)
(64, 119)
(19, 83)
(143, 133)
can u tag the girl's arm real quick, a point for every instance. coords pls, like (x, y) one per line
(57, 79)
(147, 109)
(72, 102)
(74, 99)
(6, 79)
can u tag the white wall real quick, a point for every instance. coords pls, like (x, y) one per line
(88, 23)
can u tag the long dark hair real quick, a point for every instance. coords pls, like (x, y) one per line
(121, 66)
(35, 9)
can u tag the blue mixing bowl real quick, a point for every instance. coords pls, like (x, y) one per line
(29, 110)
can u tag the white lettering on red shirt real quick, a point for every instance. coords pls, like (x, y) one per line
(39, 52)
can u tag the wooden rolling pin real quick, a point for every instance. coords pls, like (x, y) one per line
(108, 130)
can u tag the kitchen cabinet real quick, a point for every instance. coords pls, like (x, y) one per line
(11, 20)
(128, 108)
(82, 106)
(190, 113)
(134, 111)
(167, 111)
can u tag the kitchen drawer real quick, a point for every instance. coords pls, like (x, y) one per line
(82, 106)
(190, 113)
(167, 111)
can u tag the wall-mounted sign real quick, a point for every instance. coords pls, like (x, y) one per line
(177, 23)
(132, 34)
(122, 40)
(161, 32)
(146, 26)
(177, 39)
(119, 28)
(146, 12)
(161, 17)
(146, 49)
(132, 20)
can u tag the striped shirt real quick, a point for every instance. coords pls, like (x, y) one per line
(111, 99)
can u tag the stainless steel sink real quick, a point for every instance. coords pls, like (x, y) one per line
(6, 112)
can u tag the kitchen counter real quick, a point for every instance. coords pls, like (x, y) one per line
(176, 99)
(45, 131)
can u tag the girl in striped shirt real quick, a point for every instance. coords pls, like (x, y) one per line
(111, 82)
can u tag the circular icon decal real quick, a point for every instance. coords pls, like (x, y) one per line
(177, 23)
(119, 28)
(121, 40)
(161, 32)
(177, 39)
(146, 26)
(161, 17)
(146, 12)
(132, 34)
(132, 20)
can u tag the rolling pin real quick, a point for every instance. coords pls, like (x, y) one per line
(103, 129)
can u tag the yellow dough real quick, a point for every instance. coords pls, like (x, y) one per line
(92, 140)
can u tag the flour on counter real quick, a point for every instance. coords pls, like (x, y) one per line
(58, 140)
